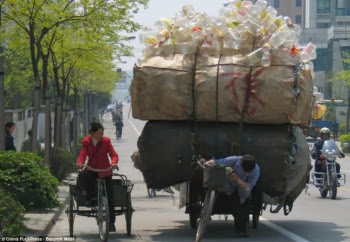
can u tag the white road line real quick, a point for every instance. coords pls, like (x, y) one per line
(268, 223)
(137, 132)
(283, 231)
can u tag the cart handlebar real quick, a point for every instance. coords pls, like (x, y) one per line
(96, 170)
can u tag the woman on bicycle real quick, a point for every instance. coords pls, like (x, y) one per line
(96, 148)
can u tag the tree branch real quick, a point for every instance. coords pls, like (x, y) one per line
(21, 25)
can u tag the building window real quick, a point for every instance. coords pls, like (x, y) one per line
(341, 4)
(342, 9)
(323, 6)
(298, 3)
(323, 25)
(276, 3)
(298, 19)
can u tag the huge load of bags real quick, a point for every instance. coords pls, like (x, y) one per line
(209, 84)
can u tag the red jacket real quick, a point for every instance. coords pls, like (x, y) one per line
(98, 156)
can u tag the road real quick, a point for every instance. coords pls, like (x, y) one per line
(159, 219)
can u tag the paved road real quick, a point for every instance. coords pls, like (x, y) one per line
(159, 219)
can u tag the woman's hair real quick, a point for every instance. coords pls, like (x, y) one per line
(9, 125)
(94, 126)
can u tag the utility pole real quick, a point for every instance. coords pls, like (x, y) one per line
(2, 90)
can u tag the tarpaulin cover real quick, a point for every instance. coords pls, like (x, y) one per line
(166, 150)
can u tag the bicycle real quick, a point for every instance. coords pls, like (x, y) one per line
(215, 182)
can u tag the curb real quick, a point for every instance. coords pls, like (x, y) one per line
(55, 217)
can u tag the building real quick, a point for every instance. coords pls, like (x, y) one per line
(327, 24)
(292, 8)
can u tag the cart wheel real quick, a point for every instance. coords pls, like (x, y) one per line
(255, 217)
(103, 219)
(205, 214)
(194, 216)
(128, 216)
(151, 192)
(71, 214)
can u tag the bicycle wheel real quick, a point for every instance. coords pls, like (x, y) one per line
(205, 214)
(128, 215)
(103, 219)
(71, 215)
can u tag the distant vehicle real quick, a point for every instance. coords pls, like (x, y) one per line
(317, 125)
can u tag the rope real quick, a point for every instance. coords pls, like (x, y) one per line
(217, 106)
(195, 142)
(236, 149)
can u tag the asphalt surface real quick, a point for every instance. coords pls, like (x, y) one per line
(159, 219)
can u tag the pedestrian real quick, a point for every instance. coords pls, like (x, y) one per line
(28, 141)
(96, 148)
(10, 127)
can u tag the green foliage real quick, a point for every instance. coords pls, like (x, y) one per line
(330, 115)
(342, 128)
(28, 180)
(104, 99)
(11, 216)
(345, 138)
(62, 162)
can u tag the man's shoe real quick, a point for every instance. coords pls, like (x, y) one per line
(112, 228)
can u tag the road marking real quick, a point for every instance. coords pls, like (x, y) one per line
(137, 132)
(283, 231)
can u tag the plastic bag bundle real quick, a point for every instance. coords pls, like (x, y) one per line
(242, 27)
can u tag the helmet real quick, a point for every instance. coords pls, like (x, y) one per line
(325, 131)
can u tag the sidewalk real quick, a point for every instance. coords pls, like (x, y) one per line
(40, 224)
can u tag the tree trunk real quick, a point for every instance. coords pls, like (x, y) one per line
(347, 116)
(75, 123)
(86, 115)
(47, 109)
(37, 85)
(58, 110)
(64, 125)
(2, 96)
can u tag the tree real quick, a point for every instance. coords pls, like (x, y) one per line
(94, 27)
(2, 86)
(345, 76)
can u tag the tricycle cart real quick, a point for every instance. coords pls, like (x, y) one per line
(122, 202)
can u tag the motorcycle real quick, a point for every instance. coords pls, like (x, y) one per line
(329, 180)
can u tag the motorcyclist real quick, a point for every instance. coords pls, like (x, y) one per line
(316, 152)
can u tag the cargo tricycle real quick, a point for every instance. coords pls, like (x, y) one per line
(122, 188)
